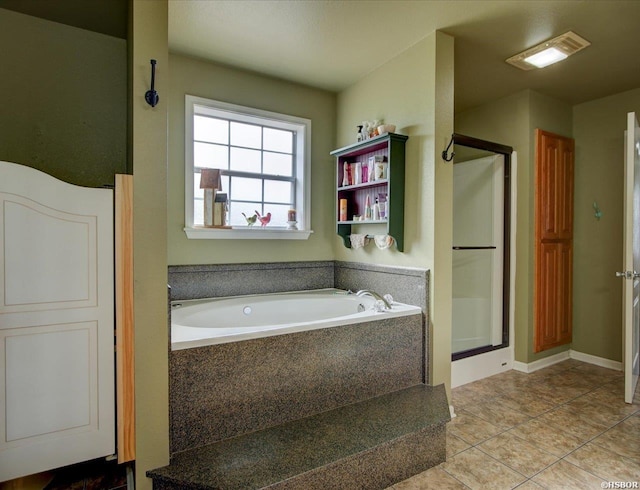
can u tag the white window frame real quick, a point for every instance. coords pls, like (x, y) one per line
(302, 162)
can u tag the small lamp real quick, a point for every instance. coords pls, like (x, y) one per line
(210, 182)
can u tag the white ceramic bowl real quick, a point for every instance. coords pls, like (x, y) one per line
(386, 128)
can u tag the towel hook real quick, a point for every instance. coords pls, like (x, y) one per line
(444, 153)
(151, 96)
(597, 211)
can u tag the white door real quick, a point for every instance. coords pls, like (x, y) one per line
(631, 259)
(56, 322)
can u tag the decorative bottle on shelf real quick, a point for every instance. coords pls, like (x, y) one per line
(343, 210)
(345, 174)
(382, 204)
(376, 211)
(367, 208)
(357, 175)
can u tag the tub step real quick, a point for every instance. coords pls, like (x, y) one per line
(367, 445)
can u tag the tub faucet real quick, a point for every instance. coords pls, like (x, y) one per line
(374, 295)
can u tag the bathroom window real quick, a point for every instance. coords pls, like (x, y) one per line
(263, 158)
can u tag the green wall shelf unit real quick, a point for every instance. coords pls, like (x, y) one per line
(388, 149)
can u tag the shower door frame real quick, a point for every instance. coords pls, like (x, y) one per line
(505, 151)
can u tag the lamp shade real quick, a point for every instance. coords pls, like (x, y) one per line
(210, 178)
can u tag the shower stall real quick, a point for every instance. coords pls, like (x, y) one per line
(481, 247)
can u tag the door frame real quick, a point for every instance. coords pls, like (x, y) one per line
(630, 314)
(506, 151)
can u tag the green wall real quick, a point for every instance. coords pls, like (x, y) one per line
(555, 116)
(414, 91)
(204, 79)
(512, 121)
(400, 92)
(598, 127)
(64, 99)
(149, 28)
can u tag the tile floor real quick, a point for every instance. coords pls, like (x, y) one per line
(562, 427)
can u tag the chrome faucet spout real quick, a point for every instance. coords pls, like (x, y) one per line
(374, 295)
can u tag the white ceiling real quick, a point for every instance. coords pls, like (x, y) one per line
(331, 44)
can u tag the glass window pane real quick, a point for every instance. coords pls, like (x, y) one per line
(244, 160)
(197, 192)
(278, 140)
(244, 189)
(236, 209)
(246, 135)
(211, 130)
(210, 156)
(225, 185)
(278, 213)
(277, 191)
(198, 212)
(278, 164)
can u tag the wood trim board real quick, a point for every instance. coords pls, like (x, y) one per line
(125, 360)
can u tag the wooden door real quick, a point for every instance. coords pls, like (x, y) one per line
(553, 281)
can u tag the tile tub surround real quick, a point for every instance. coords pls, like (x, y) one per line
(371, 444)
(406, 285)
(221, 391)
(214, 281)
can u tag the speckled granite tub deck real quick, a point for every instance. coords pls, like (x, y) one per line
(370, 444)
(332, 406)
(221, 391)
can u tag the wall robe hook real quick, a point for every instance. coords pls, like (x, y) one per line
(444, 153)
(151, 96)
(598, 212)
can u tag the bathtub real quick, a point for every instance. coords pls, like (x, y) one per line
(196, 323)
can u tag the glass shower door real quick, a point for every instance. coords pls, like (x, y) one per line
(478, 229)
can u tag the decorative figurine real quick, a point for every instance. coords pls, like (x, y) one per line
(251, 220)
(264, 220)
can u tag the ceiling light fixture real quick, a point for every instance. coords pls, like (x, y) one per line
(549, 52)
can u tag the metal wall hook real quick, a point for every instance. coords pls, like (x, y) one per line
(151, 96)
(444, 153)
(597, 211)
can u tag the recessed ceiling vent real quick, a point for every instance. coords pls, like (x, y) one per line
(549, 52)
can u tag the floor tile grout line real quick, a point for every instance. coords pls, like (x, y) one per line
(610, 382)
(591, 390)
(583, 469)
(525, 476)
(452, 476)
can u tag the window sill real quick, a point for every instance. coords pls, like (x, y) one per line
(246, 233)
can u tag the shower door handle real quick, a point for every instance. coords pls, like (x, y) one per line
(474, 248)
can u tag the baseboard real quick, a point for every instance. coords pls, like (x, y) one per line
(523, 367)
(598, 361)
(452, 412)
